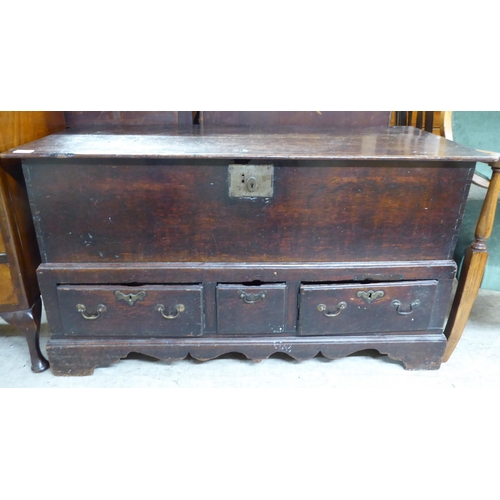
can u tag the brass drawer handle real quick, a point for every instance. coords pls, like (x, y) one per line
(322, 308)
(100, 309)
(251, 298)
(397, 304)
(178, 309)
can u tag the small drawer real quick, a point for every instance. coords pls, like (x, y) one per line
(2, 244)
(251, 309)
(374, 308)
(139, 311)
(7, 291)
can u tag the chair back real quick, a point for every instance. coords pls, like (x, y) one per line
(423, 120)
(478, 130)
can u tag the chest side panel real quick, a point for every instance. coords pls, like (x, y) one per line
(128, 210)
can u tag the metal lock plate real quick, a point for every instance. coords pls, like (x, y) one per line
(250, 181)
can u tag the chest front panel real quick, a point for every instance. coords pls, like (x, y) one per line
(102, 211)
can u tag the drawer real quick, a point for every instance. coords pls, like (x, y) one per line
(251, 309)
(139, 311)
(2, 244)
(378, 307)
(7, 292)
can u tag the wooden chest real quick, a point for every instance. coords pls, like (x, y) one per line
(235, 240)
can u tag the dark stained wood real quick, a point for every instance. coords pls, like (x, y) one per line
(302, 118)
(346, 311)
(139, 317)
(351, 210)
(380, 143)
(126, 211)
(251, 309)
(50, 275)
(179, 272)
(416, 351)
(85, 119)
(28, 322)
(429, 121)
(20, 256)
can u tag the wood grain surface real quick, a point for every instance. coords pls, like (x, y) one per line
(155, 211)
(392, 143)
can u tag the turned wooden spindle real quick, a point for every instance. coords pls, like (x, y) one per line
(473, 266)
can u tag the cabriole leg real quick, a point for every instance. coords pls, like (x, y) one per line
(28, 322)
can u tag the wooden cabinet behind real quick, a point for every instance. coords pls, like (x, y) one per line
(20, 303)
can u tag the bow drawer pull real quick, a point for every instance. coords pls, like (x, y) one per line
(82, 310)
(171, 315)
(251, 298)
(322, 308)
(397, 304)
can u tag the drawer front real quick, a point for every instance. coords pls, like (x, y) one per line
(139, 311)
(374, 308)
(251, 309)
(2, 244)
(7, 292)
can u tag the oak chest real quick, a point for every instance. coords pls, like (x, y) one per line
(210, 241)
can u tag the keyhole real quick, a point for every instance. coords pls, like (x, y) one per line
(252, 184)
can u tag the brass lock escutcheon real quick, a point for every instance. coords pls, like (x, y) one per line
(251, 181)
(370, 295)
(130, 298)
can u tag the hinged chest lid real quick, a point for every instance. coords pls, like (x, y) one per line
(381, 143)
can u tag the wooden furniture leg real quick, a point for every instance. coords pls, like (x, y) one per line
(473, 266)
(29, 323)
